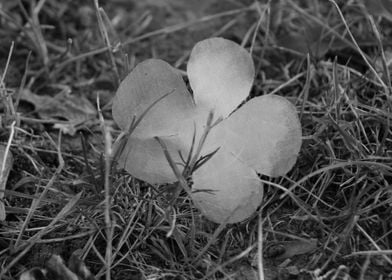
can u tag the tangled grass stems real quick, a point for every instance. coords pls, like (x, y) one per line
(338, 193)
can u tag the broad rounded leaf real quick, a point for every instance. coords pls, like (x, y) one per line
(225, 189)
(221, 74)
(149, 81)
(265, 134)
(144, 159)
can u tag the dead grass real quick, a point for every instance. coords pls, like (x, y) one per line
(63, 194)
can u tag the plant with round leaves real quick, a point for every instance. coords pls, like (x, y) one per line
(262, 136)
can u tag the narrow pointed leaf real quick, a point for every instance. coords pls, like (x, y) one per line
(149, 81)
(225, 189)
(221, 74)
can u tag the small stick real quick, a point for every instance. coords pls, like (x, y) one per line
(107, 202)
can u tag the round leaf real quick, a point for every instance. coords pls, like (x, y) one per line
(144, 159)
(225, 189)
(221, 74)
(265, 134)
(149, 81)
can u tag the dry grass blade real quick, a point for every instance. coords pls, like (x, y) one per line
(6, 165)
(37, 37)
(7, 64)
(105, 36)
(387, 77)
(10, 108)
(357, 46)
(305, 91)
(385, 67)
(256, 30)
